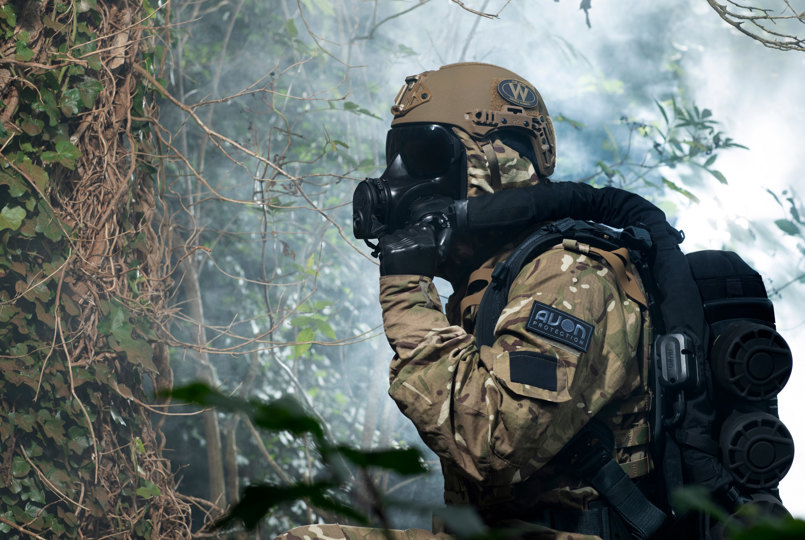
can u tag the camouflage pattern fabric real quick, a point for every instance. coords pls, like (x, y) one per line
(347, 532)
(515, 170)
(473, 408)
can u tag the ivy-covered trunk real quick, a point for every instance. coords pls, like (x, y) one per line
(81, 278)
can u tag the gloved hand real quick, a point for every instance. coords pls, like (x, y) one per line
(412, 250)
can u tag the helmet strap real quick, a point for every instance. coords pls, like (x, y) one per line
(492, 163)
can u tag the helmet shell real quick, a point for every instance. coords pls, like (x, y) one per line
(479, 99)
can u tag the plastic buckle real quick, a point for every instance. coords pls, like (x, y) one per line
(676, 359)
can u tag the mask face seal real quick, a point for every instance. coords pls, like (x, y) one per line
(423, 161)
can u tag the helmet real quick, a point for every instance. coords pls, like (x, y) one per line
(484, 101)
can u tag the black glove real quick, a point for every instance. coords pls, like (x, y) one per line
(412, 250)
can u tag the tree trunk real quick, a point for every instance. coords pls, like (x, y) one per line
(80, 288)
(206, 373)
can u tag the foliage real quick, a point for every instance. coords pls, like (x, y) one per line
(688, 137)
(79, 457)
(749, 522)
(793, 225)
(286, 414)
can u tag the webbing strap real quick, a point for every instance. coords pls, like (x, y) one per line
(474, 299)
(589, 453)
(617, 260)
(627, 500)
(634, 436)
(637, 468)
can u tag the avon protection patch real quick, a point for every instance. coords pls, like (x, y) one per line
(559, 326)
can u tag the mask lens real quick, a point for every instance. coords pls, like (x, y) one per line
(427, 151)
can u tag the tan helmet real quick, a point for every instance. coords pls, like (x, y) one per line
(480, 99)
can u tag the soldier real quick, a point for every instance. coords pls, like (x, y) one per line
(570, 346)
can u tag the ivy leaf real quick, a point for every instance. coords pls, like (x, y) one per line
(35, 173)
(24, 53)
(48, 106)
(149, 490)
(11, 218)
(88, 90)
(19, 467)
(69, 102)
(66, 153)
(16, 187)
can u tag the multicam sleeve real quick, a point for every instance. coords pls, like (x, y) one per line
(566, 345)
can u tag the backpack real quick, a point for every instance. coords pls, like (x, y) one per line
(715, 421)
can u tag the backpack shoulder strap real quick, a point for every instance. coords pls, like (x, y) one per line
(496, 296)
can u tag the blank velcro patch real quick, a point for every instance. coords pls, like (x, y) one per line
(533, 368)
(560, 326)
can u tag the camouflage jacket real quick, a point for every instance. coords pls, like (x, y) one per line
(497, 416)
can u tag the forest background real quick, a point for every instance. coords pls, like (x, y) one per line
(176, 184)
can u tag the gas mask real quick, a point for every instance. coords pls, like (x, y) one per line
(426, 171)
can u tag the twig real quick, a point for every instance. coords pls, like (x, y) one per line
(212, 134)
(21, 529)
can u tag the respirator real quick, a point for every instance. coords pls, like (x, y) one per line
(426, 168)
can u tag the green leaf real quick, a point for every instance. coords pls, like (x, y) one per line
(19, 466)
(7, 12)
(710, 161)
(47, 223)
(406, 462)
(35, 173)
(148, 490)
(787, 226)
(574, 123)
(16, 187)
(258, 500)
(324, 327)
(69, 102)
(300, 348)
(682, 191)
(284, 414)
(47, 104)
(357, 109)
(720, 177)
(88, 90)
(136, 349)
(11, 218)
(290, 27)
(406, 51)
(24, 53)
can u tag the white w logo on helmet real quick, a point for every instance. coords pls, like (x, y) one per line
(517, 93)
